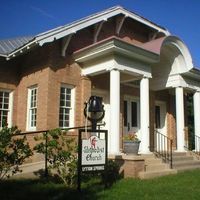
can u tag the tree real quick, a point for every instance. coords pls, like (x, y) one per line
(190, 119)
(13, 151)
(61, 155)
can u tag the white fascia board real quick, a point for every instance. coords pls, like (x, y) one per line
(74, 27)
(98, 67)
(117, 47)
(22, 49)
(130, 65)
(146, 22)
(3, 55)
(175, 80)
(179, 81)
(107, 65)
(62, 32)
(192, 84)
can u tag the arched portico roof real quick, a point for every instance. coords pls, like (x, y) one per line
(176, 47)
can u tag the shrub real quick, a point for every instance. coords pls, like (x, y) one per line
(111, 175)
(61, 155)
(13, 151)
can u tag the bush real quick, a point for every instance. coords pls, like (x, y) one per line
(111, 175)
(61, 155)
(13, 151)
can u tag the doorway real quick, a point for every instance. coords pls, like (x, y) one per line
(131, 114)
(160, 117)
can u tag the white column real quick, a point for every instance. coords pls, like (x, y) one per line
(144, 115)
(180, 125)
(196, 100)
(114, 112)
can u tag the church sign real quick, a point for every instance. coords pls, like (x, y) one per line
(92, 151)
(93, 154)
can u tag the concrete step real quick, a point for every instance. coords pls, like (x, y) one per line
(153, 174)
(156, 167)
(183, 158)
(184, 163)
(179, 154)
(153, 160)
(187, 168)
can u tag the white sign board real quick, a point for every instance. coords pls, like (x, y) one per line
(93, 151)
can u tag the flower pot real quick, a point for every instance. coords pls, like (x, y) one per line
(131, 147)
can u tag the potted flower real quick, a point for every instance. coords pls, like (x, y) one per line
(131, 143)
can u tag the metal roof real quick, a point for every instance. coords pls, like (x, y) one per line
(9, 45)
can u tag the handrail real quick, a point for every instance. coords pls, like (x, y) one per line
(163, 147)
(194, 147)
(46, 133)
(64, 129)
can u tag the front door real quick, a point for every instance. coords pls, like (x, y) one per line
(131, 115)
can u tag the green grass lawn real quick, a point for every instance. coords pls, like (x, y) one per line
(182, 186)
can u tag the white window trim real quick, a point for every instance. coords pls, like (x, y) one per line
(137, 100)
(28, 118)
(10, 106)
(10, 113)
(72, 109)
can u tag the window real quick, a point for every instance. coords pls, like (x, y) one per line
(134, 114)
(5, 108)
(157, 116)
(66, 107)
(32, 108)
(125, 113)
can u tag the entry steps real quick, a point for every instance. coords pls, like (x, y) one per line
(154, 167)
(183, 161)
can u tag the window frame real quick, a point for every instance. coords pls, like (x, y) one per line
(31, 127)
(10, 107)
(71, 107)
(130, 99)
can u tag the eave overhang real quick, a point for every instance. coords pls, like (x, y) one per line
(193, 74)
(62, 31)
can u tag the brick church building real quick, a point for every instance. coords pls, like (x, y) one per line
(142, 72)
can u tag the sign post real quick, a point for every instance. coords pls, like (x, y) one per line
(92, 152)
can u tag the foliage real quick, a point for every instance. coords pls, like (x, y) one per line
(13, 151)
(190, 119)
(61, 155)
(131, 137)
(111, 175)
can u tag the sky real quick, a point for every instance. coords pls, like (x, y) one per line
(31, 17)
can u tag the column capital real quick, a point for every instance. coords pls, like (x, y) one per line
(112, 69)
(179, 86)
(145, 77)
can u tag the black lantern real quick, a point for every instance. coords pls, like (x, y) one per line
(94, 110)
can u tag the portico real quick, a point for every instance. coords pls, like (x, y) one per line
(125, 64)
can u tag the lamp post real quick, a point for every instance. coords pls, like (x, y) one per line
(94, 110)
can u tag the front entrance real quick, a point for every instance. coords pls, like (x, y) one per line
(131, 114)
(160, 125)
(160, 117)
